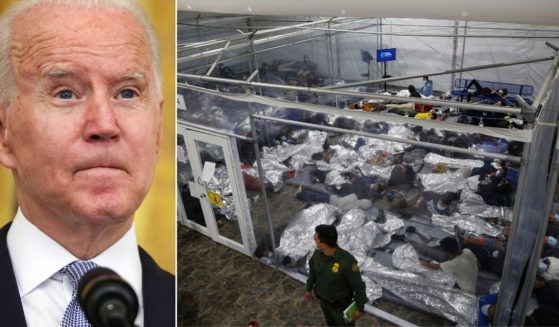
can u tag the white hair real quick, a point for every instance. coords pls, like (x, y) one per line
(7, 83)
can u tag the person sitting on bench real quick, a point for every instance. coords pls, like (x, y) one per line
(484, 91)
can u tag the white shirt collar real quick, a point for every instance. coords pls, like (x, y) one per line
(36, 257)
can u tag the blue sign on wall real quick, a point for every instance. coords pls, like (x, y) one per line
(386, 54)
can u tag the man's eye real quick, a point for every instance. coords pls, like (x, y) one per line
(65, 94)
(128, 94)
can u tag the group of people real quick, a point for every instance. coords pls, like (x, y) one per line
(431, 112)
(401, 191)
(544, 309)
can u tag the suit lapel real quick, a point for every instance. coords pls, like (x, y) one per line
(158, 288)
(11, 309)
(159, 294)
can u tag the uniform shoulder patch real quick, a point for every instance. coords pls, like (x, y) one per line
(354, 267)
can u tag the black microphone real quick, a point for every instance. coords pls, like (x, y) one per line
(106, 299)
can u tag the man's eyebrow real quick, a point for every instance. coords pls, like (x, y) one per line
(56, 72)
(137, 76)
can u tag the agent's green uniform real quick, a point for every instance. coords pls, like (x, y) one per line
(337, 282)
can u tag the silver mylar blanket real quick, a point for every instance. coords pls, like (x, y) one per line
(220, 184)
(297, 238)
(405, 258)
(472, 204)
(425, 293)
(447, 182)
(465, 222)
(434, 159)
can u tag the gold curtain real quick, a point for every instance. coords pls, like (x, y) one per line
(155, 220)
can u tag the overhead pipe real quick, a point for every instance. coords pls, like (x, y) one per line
(443, 72)
(442, 147)
(242, 45)
(246, 43)
(436, 35)
(260, 32)
(552, 46)
(465, 105)
(512, 135)
(213, 130)
(252, 75)
(257, 51)
(263, 32)
(217, 59)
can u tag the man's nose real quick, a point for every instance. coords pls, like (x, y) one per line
(101, 123)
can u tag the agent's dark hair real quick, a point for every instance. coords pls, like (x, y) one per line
(450, 244)
(327, 234)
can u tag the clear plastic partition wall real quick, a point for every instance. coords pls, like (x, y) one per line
(392, 197)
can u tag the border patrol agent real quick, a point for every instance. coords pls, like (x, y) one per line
(335, 278)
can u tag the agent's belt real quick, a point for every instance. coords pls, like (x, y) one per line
(344, 302)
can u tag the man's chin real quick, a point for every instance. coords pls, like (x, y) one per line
(107, 204)
(105, 211)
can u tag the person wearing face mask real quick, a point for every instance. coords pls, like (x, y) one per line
(335, 278)
(549, 268)
(427, 88)
(550, 247)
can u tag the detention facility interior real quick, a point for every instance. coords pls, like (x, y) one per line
(300, 114)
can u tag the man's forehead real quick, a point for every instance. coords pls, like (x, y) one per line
(49, 37)
(89, 25)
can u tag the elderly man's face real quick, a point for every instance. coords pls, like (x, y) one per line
(83, 132)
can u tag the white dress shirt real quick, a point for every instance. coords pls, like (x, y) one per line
(45, 292)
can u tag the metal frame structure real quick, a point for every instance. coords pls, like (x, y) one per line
(532, 204)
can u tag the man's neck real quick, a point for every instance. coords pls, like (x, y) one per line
(84, 241)
(329, 251)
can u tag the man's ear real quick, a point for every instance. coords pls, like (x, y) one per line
(7, 158)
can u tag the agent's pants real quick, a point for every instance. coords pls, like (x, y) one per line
(334, 314)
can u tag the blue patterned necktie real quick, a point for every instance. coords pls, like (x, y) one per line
(74, 316)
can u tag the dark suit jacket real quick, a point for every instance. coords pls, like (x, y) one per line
(158, 287)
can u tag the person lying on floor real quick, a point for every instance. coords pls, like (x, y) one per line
(364, 187)
(345, 203)
(408, 108)
(385, 159)
(547, 296)
(463, 265)
(483, 91)
(442, 205)
(495, 189)
(489, 251)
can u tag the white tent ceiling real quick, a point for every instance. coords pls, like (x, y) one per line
(540, 12)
